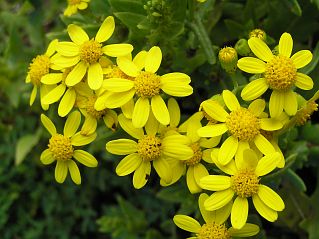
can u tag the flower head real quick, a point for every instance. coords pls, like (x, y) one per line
(62, 148)
(280, 74)
(74, 6)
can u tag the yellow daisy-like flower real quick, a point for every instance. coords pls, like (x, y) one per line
(85, 54)
(245, 172)
(243, 124)
(61, 148)
(74, 6)
(85, 101)
(279, 74)
(146, 85)
(214, 226)
(148, 148)
(40, 67)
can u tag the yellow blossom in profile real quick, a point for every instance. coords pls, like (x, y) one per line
(243, 183)
(40, 67)
(279, 73)
(148, 149)
(214, 226)
(146, 85)
(74, 6)
(62, 148)
(85, 54)
(304, 114)
(244, 126)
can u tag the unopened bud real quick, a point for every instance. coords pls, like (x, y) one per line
(258, 33)
(228, 59)
(242, 47)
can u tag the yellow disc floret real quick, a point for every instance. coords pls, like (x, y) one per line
(245, 183)
(243, 124)
(91, 51)
(149, 148)
(39, 67)
(280, 73)
(213, 231)
(61, 147)
(197, 155)
(92, 111)
(147, 84)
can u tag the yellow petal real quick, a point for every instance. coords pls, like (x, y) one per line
(303, 81)
(128, 164)
(248, 159)
(78, 139)
(116, 50)
(175, 138)
(230, 100)
(63, 61)
(301, 58)
(141, 112)
(48, 124)
(72, 124)
(174, 112)
(82, 5)
(254, 89)
(175, 77)
(290, 103)
(218, 199)
(267, 164)
(141, 175)
(270, 124)
(251, 65)
(152, 125)
(77, 34)
(139, 59)
(263, 145)
(54, 95)
(127, 66)
(160, 110)
(276, 103)
(61, 171)
(191, 182)
(95, 76)
(67, 102)
(260, 49)
(106, 30)
(74, 172)
(127, 109)
(76, 75)
(187, 223)
(239, 212)
(192, 129)
(177, 151)
(52, 78)
(90, 124)
(247, 230)
(47, 157)
(200, 171)
(33, 94)
(121, 146)
(285, 44)
(68, 49)
(153, 59)
(85, 158)
(214, 110)
(270, 198)
(228, 150)
(264, 211)
(117, 84)
(178, 90)
(127, 125)
(163, 169)
(52, 47)
(215, 182)
(257, 107)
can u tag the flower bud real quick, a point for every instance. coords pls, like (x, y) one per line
(258, 33)
(242, 47)
(228, 59)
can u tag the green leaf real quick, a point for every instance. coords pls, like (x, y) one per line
(132, 6)
(25, 144)
(315, 59)
(294, 7)
(131, 20)
(296, 180)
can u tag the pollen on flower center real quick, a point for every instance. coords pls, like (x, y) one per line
(61, 147)
(280, 73)
(197, 154)
(91, 51)
(39, 67)
(149, 148)
(147, 84)
(243, 124)
(245, 183)
(92, 111)
(213, 231)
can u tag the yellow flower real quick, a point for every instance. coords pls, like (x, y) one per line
(148, 148)
(40, 67)
(74, 5)
(85, 101)
(61, 148)
(214, 226)
(245, 172)
(85, 54)
(243, 124)
(146, 85)
(279, 74)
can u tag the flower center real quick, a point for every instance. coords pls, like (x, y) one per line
(61, 147)
(39, 67)
(74, 2)
(213, 231)
(280, 73)
(91, 51)
(147, 84)
(197, 155)
(243, 124)
(92, 111)
(149, 148)
(245, 183)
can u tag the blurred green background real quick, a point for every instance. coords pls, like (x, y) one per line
(34, 206)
